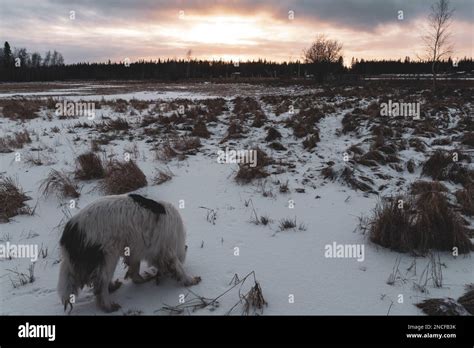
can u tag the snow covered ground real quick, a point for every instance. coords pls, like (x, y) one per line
(291, 267)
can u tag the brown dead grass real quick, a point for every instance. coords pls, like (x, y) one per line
(272, 134)
(123, 177)
(215, 107)
(17, 141)
(468, 139)
(162, 176)
(187, 145)
(467, 301)
(424, 221)
(234, 131)
(117, 124)
(421, 186)
(418, 144)
(200, 130)
(349, 177)
(411, 166)
(441, 307)
(247, 174)
(59, 183)
(441, 166)
(89, 166)
(166, 152)
(119, 105)
(311, 141)
(328, 173)
(277, 146)
(12, 199)
(465, 198)
(21, 109)
(139, 105)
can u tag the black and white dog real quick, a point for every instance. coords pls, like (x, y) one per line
(131, 226)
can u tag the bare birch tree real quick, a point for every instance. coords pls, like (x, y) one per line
(437, 38)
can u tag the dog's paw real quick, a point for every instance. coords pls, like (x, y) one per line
(193, 281)
(138, 279)
(113, 286)
(113, 307)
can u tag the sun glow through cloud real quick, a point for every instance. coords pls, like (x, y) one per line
(223, 30)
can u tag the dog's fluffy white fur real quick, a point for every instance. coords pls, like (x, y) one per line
(130, 226)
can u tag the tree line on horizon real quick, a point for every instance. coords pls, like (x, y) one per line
(20, 66)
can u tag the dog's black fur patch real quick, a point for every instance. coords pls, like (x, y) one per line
(85, 257)
(149, 204)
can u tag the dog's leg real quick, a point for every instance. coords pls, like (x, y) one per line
(113, 286)
(102, 282)
(158, 276)
(177, 270)
(133, 272)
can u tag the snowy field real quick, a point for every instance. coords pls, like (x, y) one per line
(291, 265)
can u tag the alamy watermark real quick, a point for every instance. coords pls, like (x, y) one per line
(37, 331)
(237, 156)
(345, 251)
(396, 109)
(76, 109)
(26, 251)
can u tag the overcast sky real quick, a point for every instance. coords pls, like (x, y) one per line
(228, 29)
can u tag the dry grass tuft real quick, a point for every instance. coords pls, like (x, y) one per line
(273, 134)
(234, 131)
(200, 130)
(411, 166)
(284, 187)
(59, 183)
(311, 141)
(468, 139)
(12, 199)
(21, 109)
(247, 173)
(139, 105)
(89, 166)
(166, 152)
(254, 299)
(349, 177)
(465, 199)
(418, 144)
(178, 147)
(419, 222)
(436, 166)
(162, 176)
(421, 186)
(328, 173)
(119, 105)
(117, 124)
(14, 142)
(188, 145)
(352, 121)
(441, 166)
(467, 301)
(277, 146)
(441, 307)
(287, 224)
(123, 177)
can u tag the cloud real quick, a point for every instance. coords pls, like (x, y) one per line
(111, 28)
